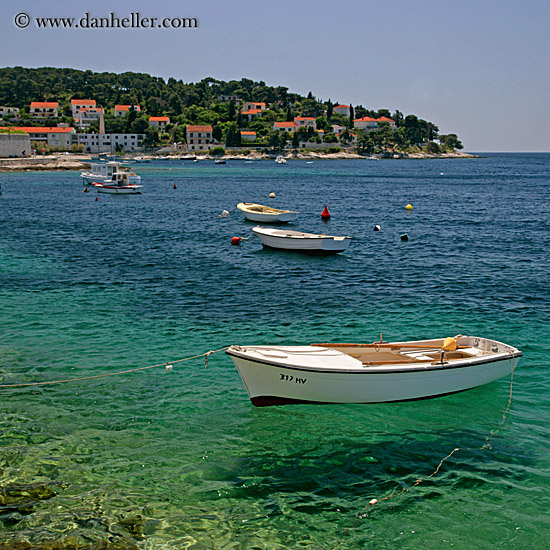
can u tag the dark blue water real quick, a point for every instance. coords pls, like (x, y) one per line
(182, 459)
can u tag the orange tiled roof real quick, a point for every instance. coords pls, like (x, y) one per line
(251, 112)
(159, 118)
(247, 133)
(285, 124)
(44, 104)
(90, 102)
(40, 130)
(365, 119)
(126, 107)
(199, 128)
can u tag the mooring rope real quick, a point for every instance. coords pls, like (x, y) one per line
(167, 365)
(487, 445)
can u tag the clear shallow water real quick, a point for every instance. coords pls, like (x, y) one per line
(182, 459)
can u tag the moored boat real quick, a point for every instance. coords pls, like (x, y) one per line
(297, 241)
(101, 172)
(266, 214)
(119, 184)
(280, 160)
(380, 372)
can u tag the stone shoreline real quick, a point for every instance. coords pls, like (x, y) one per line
(82, 162)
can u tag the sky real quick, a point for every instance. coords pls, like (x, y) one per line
(477, 68)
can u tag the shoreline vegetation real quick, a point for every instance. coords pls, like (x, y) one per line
(83, 162)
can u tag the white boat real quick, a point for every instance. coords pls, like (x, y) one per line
(101, 172)
(219, 161)
(142, 160)
(266, 214)
(280, 160)
(370, 373)
(301, 242)
(119, 184)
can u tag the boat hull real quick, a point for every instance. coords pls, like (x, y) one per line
(270, 382)
(295, 241)
(264, 214)
(119, 190)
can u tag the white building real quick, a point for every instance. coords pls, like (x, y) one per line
(54, 136)
(110, 143)
(159, 122)
(248, 135)
(199, 137)
(366, 123)
(8, 111)
(44, 109)
(284, 126)
(254, 105)
(78, 104)
(305, 122)
(122, 110)
(342, 110)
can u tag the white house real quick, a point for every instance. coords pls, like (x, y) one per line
(199, 137)
(391, 122)
(228, 98)
(254, 105)
(122, 110)
(337, 128)
(8, 111)
(88, 115)
(44, 109)
(78, 104)
(342, 110)
(159, 122)
(304, 122)
(248, 135)
(54, 136)
(107, 143)
(366, 123)
(284, 126)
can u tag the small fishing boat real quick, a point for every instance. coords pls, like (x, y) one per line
(266, 214)
(380, 372)
(219, 161)
(101, 172)
(119, 184)
(280, 160)
(297, 241)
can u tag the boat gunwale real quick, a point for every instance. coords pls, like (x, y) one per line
(421, 366)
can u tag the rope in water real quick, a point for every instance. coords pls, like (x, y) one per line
(118, 373)
(487, 445)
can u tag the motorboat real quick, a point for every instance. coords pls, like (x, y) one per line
(219, 161)
(119, 184)
(280, 160)
(266, 214)
(101, 172)
(380, 372)
(142, 160)
(297, 241)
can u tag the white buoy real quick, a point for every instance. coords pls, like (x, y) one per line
(169, 368)
(271, 195)
(373, 502)
(377, 228)
(224, 214)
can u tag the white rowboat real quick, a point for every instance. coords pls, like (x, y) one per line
(370, 373)
(297, 241)
(266, 214)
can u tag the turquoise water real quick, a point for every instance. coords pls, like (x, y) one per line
(181, 459)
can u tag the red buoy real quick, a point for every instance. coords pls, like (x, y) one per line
(175, 186)
(97, 198)
(236, 241)
(325, 214)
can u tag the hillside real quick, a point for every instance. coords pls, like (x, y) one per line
(206, 102)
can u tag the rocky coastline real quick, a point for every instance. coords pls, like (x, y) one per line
(82, 162)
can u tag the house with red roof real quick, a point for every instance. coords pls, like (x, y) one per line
(391, 122)
(248, 135)
(199, 137)
(305, 122)
(366, 123)
(284, 126)
(44, 109)
(159, 122)
(123, 110)
(251, 113)
(254, 106)
(78, 104)
(54, 136)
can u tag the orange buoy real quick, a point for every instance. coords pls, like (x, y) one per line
(236, 241)
(325, 214)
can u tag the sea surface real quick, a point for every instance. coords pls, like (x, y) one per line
(180, 459)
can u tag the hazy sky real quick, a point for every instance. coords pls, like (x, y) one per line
(480, 69)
